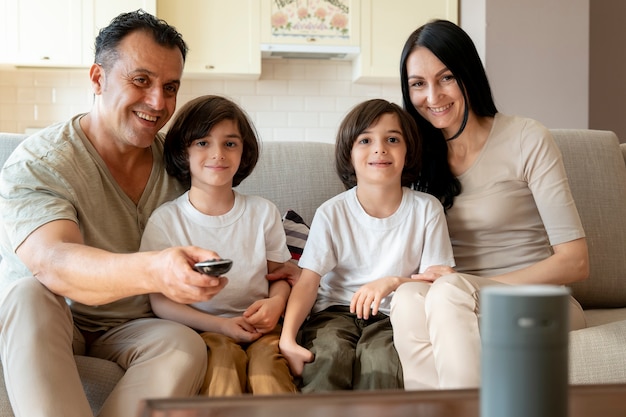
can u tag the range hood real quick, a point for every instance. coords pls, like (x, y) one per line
(290, 51)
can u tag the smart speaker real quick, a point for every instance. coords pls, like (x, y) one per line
(524, 357)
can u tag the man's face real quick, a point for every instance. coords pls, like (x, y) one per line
(137, 95)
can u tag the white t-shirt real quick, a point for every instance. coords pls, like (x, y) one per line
(250, 234)
(350, 248)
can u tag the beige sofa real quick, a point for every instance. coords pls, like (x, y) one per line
(300, 176)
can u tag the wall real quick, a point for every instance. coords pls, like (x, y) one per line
(293, 99)
(559, 61)
(607, 67)
(536, 54)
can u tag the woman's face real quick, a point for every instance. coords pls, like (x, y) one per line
(434, 92)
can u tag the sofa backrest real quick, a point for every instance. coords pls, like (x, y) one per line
(301, 175)
(296, 176)
(597, 175)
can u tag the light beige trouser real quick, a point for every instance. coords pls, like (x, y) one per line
(436, 334)
(235, 369)
(161, 358)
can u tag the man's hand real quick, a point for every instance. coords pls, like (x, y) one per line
(178, 281)
(289, 271)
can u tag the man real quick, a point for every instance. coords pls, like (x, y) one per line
(74, 200)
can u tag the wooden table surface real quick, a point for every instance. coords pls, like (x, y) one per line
(584, 401)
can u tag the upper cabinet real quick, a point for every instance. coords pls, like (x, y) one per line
(46, 33)
(58, 33)
(223, 36)
(385, 26)
(306, 27)
(227, 38)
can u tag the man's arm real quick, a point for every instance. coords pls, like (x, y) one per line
(57, 256)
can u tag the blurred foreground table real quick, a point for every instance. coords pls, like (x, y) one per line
(584, 401)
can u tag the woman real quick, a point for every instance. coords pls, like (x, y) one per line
(510, 213)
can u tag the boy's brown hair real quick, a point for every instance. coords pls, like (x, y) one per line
(358, 120)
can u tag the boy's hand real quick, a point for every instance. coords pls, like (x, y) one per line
(264, 314)
(367, 299)
(296, 356)
(238, 329)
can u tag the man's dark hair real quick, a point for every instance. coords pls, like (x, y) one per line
(110, 36)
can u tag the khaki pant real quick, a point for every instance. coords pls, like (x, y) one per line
(38, 341)
(350, 353)
(257, 368)
(436, 331)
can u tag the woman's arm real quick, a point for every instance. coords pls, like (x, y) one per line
(568, 264)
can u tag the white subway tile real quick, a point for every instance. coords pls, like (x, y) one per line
(237, 87)
(304, 88)
(318, 71)
(256, 103)
(320, 135)
(270, 119)
(335, 88)
(9, 95)
(288, 103)
(303, 119)
(26, 95)
(366, 90)
(331, 120)
(51, 78)
(319, 103)
(8, 112)
(289, 134)
(272, 87)
(289, 69)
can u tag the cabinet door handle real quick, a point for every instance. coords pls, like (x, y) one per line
(311, 40)
(209, 67)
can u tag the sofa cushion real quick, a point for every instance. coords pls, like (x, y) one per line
(98, 376)
(596, 354)
(597, 176)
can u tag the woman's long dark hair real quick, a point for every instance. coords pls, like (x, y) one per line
(455, 49)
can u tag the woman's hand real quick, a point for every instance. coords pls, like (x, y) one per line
(433, 272)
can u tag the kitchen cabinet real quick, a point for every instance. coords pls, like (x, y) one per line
(60, 33)
(385, 26)
(223, 36)
(315, 23)
(7, 27)
(45, 33)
